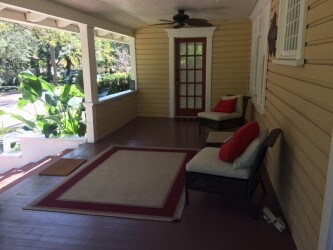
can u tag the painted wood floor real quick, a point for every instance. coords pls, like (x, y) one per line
(209, 222)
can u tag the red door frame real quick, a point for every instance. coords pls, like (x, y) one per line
(186, 111)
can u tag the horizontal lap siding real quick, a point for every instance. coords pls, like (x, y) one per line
(152, 55)
(231, 56)
(299, 100)
(112, 114)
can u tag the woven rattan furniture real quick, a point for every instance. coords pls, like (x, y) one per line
(232, 187)
(222, 121)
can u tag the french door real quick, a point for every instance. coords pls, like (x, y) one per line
(190, 75)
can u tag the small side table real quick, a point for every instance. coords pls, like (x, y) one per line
(216, 138)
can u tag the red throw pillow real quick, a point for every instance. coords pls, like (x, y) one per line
(242, 138)
(226, 106)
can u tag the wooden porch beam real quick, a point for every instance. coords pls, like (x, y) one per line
(34, 17)
(56, 10)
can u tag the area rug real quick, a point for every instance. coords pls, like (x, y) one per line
(130, 182)
(63, 167)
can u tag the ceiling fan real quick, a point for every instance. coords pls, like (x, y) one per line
(181, 19)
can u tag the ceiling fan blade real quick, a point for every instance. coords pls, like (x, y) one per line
(168, 21)
(177, 26)
(198, 22)
(156, 24)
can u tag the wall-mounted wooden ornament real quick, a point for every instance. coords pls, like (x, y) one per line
(272, 35)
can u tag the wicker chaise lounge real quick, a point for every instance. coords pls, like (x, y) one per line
(220, 121)
(207, 173)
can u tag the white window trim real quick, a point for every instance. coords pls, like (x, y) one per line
(326, 228)
(207, 33)
(281, 56)
(261, 8)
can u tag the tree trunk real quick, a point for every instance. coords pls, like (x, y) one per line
(68, 66)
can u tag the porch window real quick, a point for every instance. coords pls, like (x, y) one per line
(113, 67)
(291, 32)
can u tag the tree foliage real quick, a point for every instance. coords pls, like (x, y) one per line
(18, 46)
(30, 47)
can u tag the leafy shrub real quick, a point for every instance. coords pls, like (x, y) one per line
(115, 83)
(63, 113)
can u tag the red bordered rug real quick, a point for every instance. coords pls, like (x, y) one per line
(130, 182)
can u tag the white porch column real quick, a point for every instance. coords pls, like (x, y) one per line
(89, 77)
(133, 60)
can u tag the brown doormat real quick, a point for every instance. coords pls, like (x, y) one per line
(63, 167)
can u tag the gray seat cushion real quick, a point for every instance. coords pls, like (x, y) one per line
(218, 116)
(207, 161)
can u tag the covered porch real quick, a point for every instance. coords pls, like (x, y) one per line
(296, 99)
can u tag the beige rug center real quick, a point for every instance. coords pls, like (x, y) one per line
(141, 178)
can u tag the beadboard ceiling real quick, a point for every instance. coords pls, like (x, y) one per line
(138, 13)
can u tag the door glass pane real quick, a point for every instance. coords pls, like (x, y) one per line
(183, 62)
(198, 89)
(198, 63)
(190, 102)
(182, 76)
(190, 76)
(190, 62)
(199, 48)
(183, 48)
(198, 102)
(190, 89)
(182, 89)
(198, 75)
(183, 102)
(190, 48)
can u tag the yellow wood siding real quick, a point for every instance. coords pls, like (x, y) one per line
(299, 100)
(231, 57)
(152, 58)
(112, 114)
(230, 65)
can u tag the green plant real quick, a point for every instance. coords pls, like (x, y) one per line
(63, 114)
(5, 130)
(115, 83)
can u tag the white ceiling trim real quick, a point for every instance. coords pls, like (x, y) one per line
(36, 19)
(55, 11)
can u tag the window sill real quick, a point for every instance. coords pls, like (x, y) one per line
(296, 63)
(117, 95)
(258, 107)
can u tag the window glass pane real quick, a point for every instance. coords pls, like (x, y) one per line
(182, 89)
(198, 62)
(190, 76)
(190, 48)
(198, 102)
(183, 76)
(198, 89)
(190, 102)
(183, 102)
(183, 62)
(112, 68)
(198, 76)
(199, 48)
(183, 48)
(190, 62)
(190, 89)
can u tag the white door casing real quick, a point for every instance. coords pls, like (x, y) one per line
(206, 32)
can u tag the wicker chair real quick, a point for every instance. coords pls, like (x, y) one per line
(219, 121)
(238, 188)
